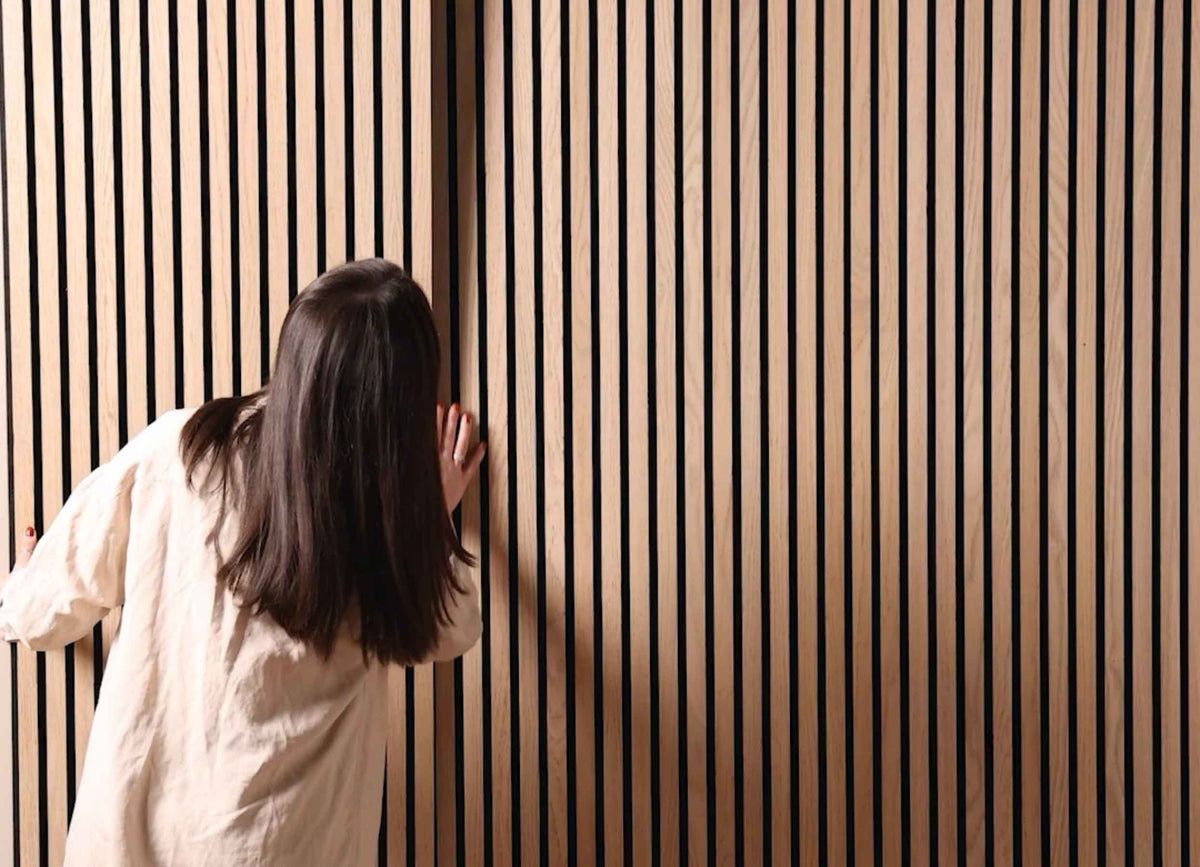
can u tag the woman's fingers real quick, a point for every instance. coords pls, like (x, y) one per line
(25, 547)
(463, 443)
(471, 466)
(441, 421)
(450, 431)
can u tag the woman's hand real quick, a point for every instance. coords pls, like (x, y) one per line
(458, 458)
(25, 545)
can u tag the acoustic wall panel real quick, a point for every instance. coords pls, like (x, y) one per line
(848, 288)
(834, 359)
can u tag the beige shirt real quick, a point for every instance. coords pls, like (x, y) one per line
(218, 739)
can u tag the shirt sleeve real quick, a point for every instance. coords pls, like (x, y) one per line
(463, 625)
(77, 571)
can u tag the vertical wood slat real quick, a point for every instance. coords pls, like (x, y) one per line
(576, 34)
(970, 375)
(19, 227)
(250, 230)
(606, 409)
(9, 533)
(942, 508)
(922, 617)
(1004, 485)
(747, 514)
(522, 385)
(887, 444)
(719, 396)
(104, 377)
(1191, 196)
(219, 194)
(305, 145)
(276, 144)
(469, 350)
(1190, 533)
(693, 514)
(499, 536)
(445, 738)
(857, 374)
(368, 149)
(186, 165)
(333, 130)
(1140, 502)
(1169, 127)
(156, 114)
(427, 144)
(640, 296)
(396, 819)
(832, 177)
(1114, 433)
(1027, 444)
(1088, 581)
(52, 357)
(129, 237)
(135, 196)
(21, 295)
(1053, 395)
(78, 691)
(551, 131)
(792, 260)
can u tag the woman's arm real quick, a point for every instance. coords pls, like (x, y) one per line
(61, 588)
(463, 624)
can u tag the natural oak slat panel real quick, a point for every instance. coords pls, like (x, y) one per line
(1140, 42)
(665, 206)
(52, 357)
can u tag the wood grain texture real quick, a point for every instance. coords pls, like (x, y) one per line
(1028, 444)
(749, 512)
(1190, 532)
(970, 375)
(1114, 432)
(833, 175)
(52, 357)
(1140, 42)
(922, 688)
(692, 511)
(1003, 483)
(795, 789)
(1088, 580)
(9, 535)
(856, 356)
(942, 400)
(887, 437)
(1169, 123)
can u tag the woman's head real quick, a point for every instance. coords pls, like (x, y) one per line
(342, 516)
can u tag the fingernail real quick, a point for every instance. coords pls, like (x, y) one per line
(29, 532)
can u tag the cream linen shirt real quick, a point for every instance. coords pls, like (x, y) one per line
(218, 739)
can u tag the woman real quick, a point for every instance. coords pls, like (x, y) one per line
(271, 554)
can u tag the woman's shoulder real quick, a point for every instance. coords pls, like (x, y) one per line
(155, 450)
(164, 431)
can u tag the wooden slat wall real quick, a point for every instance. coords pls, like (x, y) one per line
(840, 479)
(834, 359)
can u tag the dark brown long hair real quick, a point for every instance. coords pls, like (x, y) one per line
(333, 467)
